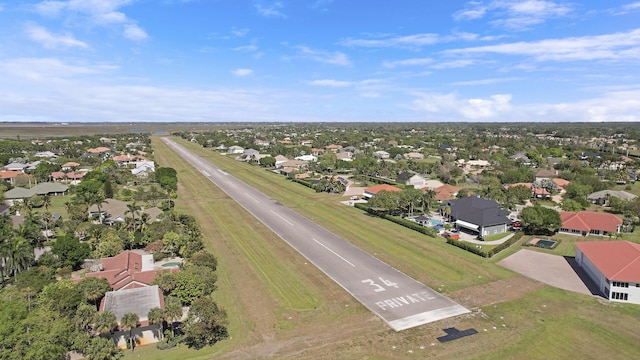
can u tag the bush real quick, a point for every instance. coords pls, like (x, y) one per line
(506, 244)
(303, 182)
(472, 248)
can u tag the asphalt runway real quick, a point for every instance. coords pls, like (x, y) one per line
(399, 300)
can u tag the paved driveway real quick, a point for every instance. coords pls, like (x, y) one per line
(557, 271)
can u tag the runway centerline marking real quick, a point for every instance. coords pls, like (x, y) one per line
(334, 253)
(205, 173)
(252, 198)
(280, 216)
(222, 172)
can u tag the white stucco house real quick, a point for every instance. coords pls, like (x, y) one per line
(614, 267)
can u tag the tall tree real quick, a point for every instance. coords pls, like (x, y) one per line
(105, 322)
(156, 317)
(128, 322)
(172, 311)
(93, 289)
(206, 324)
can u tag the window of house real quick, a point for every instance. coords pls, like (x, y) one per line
(619, 296)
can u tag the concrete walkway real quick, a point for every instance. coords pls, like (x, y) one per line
(494, 242)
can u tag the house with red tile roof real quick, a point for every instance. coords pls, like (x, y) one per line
(372, 191)
(588, 222)
(129, 270)
(614, 267)
(446, 192)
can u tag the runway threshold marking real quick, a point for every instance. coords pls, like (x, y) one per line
(222, 172)
(205, 173)
(334, 253)
(280, 216)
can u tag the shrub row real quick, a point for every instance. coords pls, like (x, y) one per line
(472, 248)
(506, 244)
(303, 182)
(406, 223)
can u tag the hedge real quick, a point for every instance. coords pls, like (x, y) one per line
(303, 182)
(472, 248)
(406, 223)
(506, 244)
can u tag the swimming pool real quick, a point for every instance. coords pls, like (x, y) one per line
(435, 222)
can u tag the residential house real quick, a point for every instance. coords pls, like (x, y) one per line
(602, 197)
(478, 216)
(113, 211)
(306, 158)
(143, 168)
(546, 174)
(69, 166)
(446, 192)
(235, 149)
(345, 156)
(374, 190)
(130, 274)
(16, 166)
(522, 158)
(125, 160)
(46, 154)
(333, 148)
(381, 154)
(613, 266)
(411, 178)
(10, 175)
(413, 156)
(588, 222)
(19, 194)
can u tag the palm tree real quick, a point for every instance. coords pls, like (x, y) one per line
(128, 322)
(172, 310)
(85, 314)
(156, 316)
(46, 201)
(46, 219)
(20, 255)
(131, 209)
(105, 322)
(154, 194)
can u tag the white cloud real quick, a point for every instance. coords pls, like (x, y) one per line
(617, 46)
(330, 83)
(484, 81)
(327, 57)
(133, 32)
(467, 109)
(242, 72)
(41, 35)
(416, 40)
(272, 9)
(514, 15)
(93, 13)
(407, 62)
(632, 6)
(49, 69)
(454, 64)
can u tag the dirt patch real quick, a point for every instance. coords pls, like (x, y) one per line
(495, 292)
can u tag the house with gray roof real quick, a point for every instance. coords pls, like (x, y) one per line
(602, 197)
(478, 216)
(18, 194)
(138, 301)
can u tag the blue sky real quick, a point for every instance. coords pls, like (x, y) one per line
(319, 60)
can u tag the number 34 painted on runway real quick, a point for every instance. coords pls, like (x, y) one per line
(378, 287)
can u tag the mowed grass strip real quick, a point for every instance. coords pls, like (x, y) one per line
(557, 324)
(236, 225)
(429, 260)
